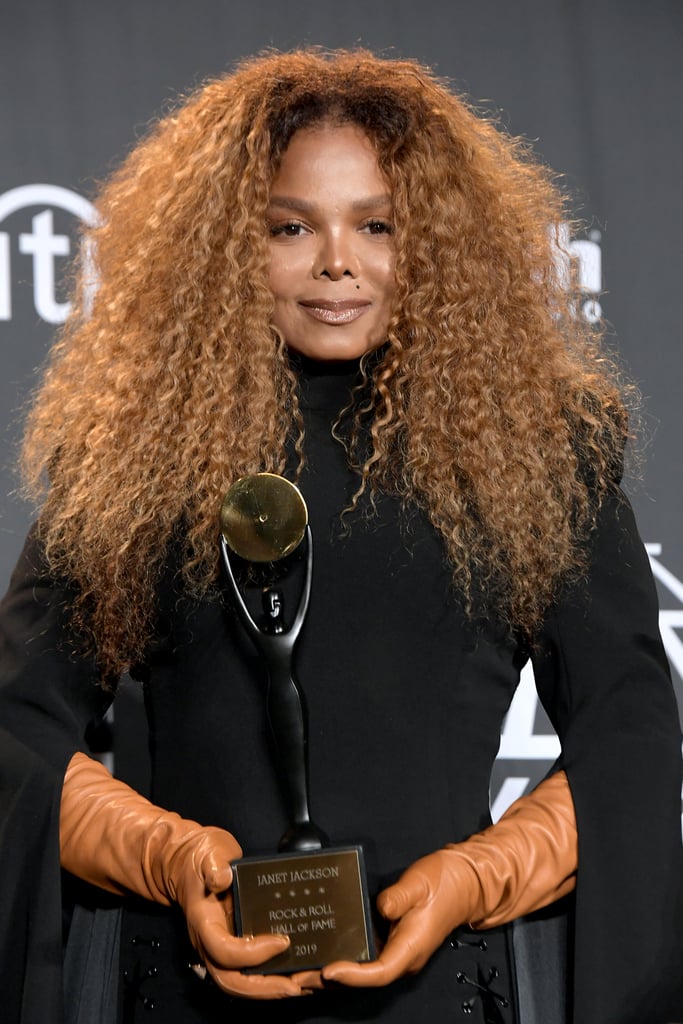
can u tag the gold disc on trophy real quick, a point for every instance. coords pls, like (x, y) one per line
(263, 517)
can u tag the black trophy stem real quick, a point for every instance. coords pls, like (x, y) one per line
(285, 704)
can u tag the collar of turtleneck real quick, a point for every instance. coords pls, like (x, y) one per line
(325, 385)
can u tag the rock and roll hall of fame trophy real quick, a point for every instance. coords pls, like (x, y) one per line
(313, 892)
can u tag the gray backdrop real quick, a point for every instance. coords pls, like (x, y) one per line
(596, 84)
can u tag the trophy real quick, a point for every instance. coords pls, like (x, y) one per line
(312, 892)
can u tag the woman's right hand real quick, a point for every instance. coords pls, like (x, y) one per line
(199, 879)
(115, 838)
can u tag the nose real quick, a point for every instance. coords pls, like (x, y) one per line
(336, 257)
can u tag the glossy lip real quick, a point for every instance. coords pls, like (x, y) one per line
(329, 312)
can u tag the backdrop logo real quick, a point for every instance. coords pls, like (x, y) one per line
(670, 619)
(580, 259)
(41, 243)
(527, 736)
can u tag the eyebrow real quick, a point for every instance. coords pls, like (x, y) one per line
(358, 205)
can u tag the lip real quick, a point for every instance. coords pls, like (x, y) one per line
(340, 312)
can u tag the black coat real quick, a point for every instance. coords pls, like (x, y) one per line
(406, 698)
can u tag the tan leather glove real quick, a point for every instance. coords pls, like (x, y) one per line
(525, 861)
(114, 838)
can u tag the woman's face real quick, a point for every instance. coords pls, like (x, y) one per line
(331, 244)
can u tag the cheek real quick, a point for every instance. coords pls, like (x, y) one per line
(386, 277)
(288, 279)
(277, 276)
(382, 265)
(284, 272)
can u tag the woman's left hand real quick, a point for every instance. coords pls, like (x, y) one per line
(525, 861)
(429, 900)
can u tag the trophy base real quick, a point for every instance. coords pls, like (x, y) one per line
(319, 899)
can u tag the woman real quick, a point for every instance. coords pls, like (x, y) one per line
(327, 266)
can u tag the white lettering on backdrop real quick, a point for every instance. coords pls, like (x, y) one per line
(41, 243)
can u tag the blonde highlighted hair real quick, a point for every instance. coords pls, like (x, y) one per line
(491, 405)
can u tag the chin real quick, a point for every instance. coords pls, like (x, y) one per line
(334, 351)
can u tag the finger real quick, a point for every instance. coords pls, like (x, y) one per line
(410, 890)
(400, 956)
(255, 986)
(228, 951)
(216, 871)
(218, 879)
(372, 975)
(309, 980)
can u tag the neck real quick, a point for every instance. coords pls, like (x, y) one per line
(325, 384)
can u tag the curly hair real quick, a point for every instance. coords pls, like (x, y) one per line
(492, 406)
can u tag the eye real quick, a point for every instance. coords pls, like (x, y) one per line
(378, 226)
(287, 229)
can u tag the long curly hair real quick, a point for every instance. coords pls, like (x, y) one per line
(490, 406)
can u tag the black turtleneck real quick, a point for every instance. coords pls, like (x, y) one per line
(403, 728)
(325, 385)
(396, 723)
